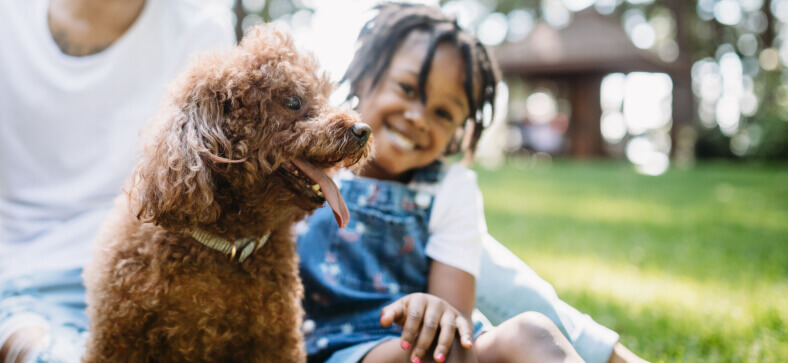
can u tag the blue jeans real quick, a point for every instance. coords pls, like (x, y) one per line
(54, 301)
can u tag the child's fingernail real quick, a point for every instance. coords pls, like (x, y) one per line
(440, 357)
(415, 360)
(468, 342)
(405, 345)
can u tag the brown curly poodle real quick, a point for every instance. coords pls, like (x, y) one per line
(197, 261)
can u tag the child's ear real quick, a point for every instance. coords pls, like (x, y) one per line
(457, 142)
(471, 136)
(470, 140)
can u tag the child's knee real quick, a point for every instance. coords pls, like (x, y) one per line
(541, 339)
(536, 326)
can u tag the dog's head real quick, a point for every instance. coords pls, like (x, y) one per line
(245, 135)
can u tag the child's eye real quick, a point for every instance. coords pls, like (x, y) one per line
(446, 115)
(410, 92)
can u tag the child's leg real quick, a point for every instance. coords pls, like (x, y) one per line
(528, 337)
(390, 351)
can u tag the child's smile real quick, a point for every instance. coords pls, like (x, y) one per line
(398, 140)
(410, 133)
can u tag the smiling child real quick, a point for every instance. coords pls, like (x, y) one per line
(412, 250)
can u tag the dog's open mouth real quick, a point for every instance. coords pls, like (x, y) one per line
(317, 184)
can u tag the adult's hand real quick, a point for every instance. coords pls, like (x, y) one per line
(623, 355)
(21, 343)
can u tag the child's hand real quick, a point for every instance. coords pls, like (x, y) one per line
(428, 313)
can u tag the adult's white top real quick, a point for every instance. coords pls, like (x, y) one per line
(69, 125)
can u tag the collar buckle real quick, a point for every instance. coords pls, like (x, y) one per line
(247, 245)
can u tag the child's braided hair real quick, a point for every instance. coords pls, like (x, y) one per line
(381, 36)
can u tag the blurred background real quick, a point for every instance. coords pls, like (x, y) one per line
(637, 160)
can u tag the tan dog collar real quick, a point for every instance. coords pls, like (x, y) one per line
(246, 245)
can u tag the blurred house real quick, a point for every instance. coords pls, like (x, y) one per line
(575, 59)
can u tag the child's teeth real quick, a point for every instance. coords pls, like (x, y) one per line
(400, 140)
(316, 187)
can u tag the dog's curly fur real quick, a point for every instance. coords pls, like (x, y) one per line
(213, 158)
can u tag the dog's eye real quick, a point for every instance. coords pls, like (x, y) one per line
(293, 103)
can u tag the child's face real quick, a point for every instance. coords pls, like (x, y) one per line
(409, 134)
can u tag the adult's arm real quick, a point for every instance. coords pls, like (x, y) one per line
(507, 287)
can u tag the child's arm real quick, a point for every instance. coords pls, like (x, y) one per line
(458, 288)
(455, 286)
(456, 228)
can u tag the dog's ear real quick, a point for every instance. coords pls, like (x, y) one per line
(173, 185)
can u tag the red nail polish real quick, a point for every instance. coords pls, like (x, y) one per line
(415, 360)
(440, 358)
(405, 345)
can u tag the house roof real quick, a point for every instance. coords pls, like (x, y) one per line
(591, 43)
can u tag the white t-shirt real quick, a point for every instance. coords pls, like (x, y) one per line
(457, 224)
(69, 125)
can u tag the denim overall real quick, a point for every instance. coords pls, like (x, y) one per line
(351, 274)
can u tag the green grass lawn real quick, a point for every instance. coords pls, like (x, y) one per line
(689, 266)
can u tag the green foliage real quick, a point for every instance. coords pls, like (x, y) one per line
(712, 144)
(773, 130)
(688, 266)
(767, 136)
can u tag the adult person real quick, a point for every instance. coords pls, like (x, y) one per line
(78, 78)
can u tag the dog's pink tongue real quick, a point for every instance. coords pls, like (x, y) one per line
(330, 191)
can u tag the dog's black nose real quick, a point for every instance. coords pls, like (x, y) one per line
(361, 132)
